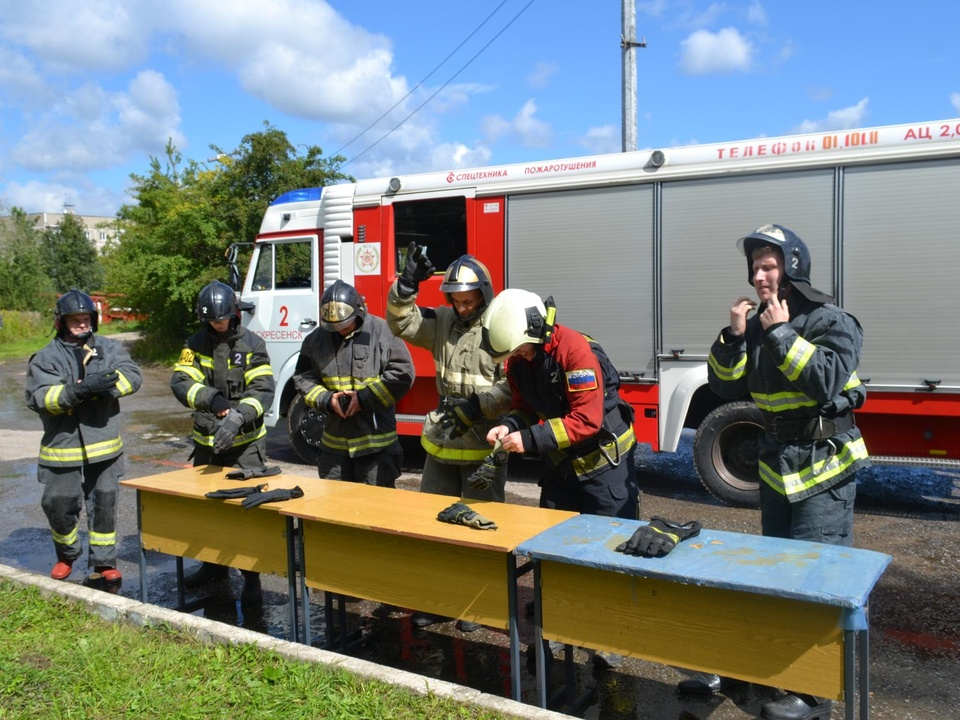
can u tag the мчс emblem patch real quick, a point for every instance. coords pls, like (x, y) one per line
(581, 380)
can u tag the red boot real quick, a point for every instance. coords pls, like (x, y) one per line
(62, 570)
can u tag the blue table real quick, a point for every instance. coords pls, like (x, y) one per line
(782, 613)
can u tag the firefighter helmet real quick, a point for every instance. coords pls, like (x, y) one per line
(466, 273)
(75, 302)
(217, 301)
(796, 257)
(339, 305)
(514, 317)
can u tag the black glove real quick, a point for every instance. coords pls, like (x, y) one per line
(101, 383)
(75, 393)
(227, 430)
(251, 473)
(460, 514)
(483, 476)
(239, 492)
(272, 496)
(218, 403)
(416, 269)
(459, 415)
(658, 538)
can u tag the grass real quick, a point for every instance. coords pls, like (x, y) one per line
(23, 333)
(60, 662)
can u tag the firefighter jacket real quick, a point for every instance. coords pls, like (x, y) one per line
(462, 369)
(236, 368)
(802, 376)
(370, 361)
(76, 433)
(571, 386)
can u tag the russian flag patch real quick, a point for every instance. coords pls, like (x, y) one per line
(581, 380)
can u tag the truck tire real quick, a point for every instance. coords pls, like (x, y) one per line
(725, 452)
(305, 428)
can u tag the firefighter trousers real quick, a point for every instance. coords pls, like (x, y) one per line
(65, 492)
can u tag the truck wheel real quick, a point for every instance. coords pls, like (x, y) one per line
(726, 451)
(305, 428)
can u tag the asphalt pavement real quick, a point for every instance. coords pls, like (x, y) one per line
(910, 513)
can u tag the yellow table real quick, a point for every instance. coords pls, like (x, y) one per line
(174, 517)
(387, 545)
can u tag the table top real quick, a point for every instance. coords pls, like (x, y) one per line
(827, 574)
(414, 514)
(196, 482)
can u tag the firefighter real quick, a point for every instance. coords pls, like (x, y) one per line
(797, 357)
(473, 390)
(224, 376)
(74, 385)
(353, 370)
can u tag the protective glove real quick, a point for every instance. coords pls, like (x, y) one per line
(101, 383)
(483, 476)
(227, 430)
(460, 514)
(75, 393)
(251, 473)
(459, 415)
(272, 496)
(658, 538)
(417, 269)
(240, 492)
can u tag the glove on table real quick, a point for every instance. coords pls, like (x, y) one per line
(227, 431)
(251, 473)
(229, 493)
(272, 496)
(659, 537)
(483, 476)
(460, 514)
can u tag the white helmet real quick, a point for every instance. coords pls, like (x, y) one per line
(513, 318)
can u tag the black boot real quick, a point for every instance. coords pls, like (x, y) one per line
(252, 593)
(706, 684)
(206, 572)
(798, 707)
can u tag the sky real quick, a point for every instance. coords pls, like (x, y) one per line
(91, 91)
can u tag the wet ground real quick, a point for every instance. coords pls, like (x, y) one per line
(909, 513)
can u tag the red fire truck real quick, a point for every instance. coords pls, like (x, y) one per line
(638, 250)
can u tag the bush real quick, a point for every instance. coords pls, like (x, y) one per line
(21, 325)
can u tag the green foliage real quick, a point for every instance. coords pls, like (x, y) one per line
(59, 661)
(24, 282)
(70, 257)
(24, 332)
(187, 215)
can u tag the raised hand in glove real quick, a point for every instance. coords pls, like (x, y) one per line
(658, 538)
(240, 492)
(227, 430)
(101, 383)
(460, 514)
(251, 473)
(459, 415)
(483, 476)
(272, 496)
(416, 269)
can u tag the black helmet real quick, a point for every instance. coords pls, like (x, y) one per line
(466, 273)
(796, 257)
(217, 301)
(75, 302)
(339, 305)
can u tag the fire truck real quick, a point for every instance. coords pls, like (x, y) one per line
(638, 251)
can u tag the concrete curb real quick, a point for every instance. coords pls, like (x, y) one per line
(114, 608)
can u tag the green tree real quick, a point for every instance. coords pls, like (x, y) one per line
(185, 217)
(24, 284)
(70, 257)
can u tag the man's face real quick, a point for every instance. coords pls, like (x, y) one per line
(221, 326)
(767, 273)
(79, 324)
(466, 303)
(527, 351)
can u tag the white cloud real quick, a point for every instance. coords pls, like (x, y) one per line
(602, 140)
(842, 119)
(955, 101)
(540, 76)
(653, 8)
(90, 128)
(36, 196)
(524, 128)
(757, 14)
(725, 51)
